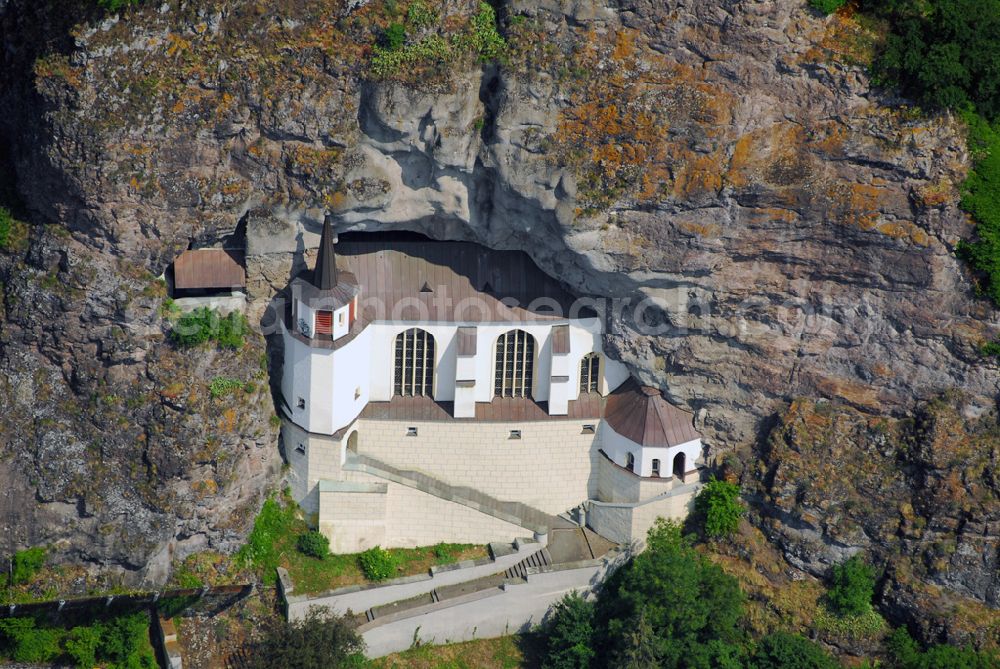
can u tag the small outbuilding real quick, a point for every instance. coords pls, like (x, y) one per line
(204, 272)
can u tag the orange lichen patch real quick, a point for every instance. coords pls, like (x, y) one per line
(203, 489)
(904, 230)
(937, 194)
(227, 422)
(770, 155)
(700, 229)
(855, 393)
(697, 174)
(176, 44)
(827, 138)
(771, 214)
(57, 66)
(847, 37)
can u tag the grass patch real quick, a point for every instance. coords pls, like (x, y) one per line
(507, 652)
(224, 385)
(274, 541)
(981, 198)
(866, 626)
(13, 233)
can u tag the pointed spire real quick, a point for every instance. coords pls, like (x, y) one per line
(325, 274)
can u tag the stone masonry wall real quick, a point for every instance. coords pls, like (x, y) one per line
(552, 467)
(416, 518)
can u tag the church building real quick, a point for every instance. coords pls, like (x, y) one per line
(442, 391)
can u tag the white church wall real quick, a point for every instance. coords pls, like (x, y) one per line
(346, 388)
(552, 467)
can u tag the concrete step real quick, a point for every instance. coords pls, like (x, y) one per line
(539, 558)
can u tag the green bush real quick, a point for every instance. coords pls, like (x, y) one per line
(378, 564)
(719, 508)
(569, 634)
(419, 15)
(318, 641)
(314, 544)
(782, 650)
(13, 233)
(486, 40)
(203, 325)
(981, 198)
(943, 53)
(116, 5)
(223, 385)
(394, 37)
(82, 644)
(852, 585)
(670, 606)
(991, 348)
(827, 6)
(25, 642)
(27, 563)
(907, 655)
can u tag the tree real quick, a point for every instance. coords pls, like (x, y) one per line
(852, 587)
(782, 650)
(907, 655)
(691, 606)
(719, 508)
(318, 641)
(570, 634)
(944, 53)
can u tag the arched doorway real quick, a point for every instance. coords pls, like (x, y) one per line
(352, 442)
(679, 465)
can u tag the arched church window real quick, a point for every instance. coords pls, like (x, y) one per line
(414, 363)
(590, 373)
(515, 364)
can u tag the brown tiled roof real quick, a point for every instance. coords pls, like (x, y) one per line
(209, 268)
(330, 299)
(501, 409)
(644, 416)
(399, 271)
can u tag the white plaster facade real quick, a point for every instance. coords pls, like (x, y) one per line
(554, 464)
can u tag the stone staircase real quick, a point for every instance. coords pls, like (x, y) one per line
(520, 570)
(516, 513)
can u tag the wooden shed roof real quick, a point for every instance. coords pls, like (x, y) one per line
(644, 416)
(209, 268)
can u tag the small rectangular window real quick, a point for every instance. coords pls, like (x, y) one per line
(411, 432)
(340, 318)
(301, 403)
(656, 467)
(357, 392)
(301, 448)
(589, 428)
(515, 434)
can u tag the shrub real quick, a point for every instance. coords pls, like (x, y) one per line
(782, 650)
(981, 199)
(204, 324)
(318, 641)
(719, 508)
(223, 385)
(991, 348)
(27, 563)
(907, 655)
(116, 5)
(394, 37)
(942, 52)
(378, 564)
(313, 543)
(486, 40)
(81, 646)
(13, 233)
(419, 15)
(569, 644)
(827, 6)
(27, 642)
(691, 607)
(852, 587)
(125, 642)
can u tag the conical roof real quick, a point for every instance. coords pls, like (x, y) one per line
(644, 416)
(325, 273)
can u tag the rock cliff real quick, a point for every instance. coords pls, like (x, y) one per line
(790, 228)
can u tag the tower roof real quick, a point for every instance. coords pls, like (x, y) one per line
(644, 416)
(325, 273)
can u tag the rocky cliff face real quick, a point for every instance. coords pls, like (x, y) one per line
(918, 496)
(727, 161)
